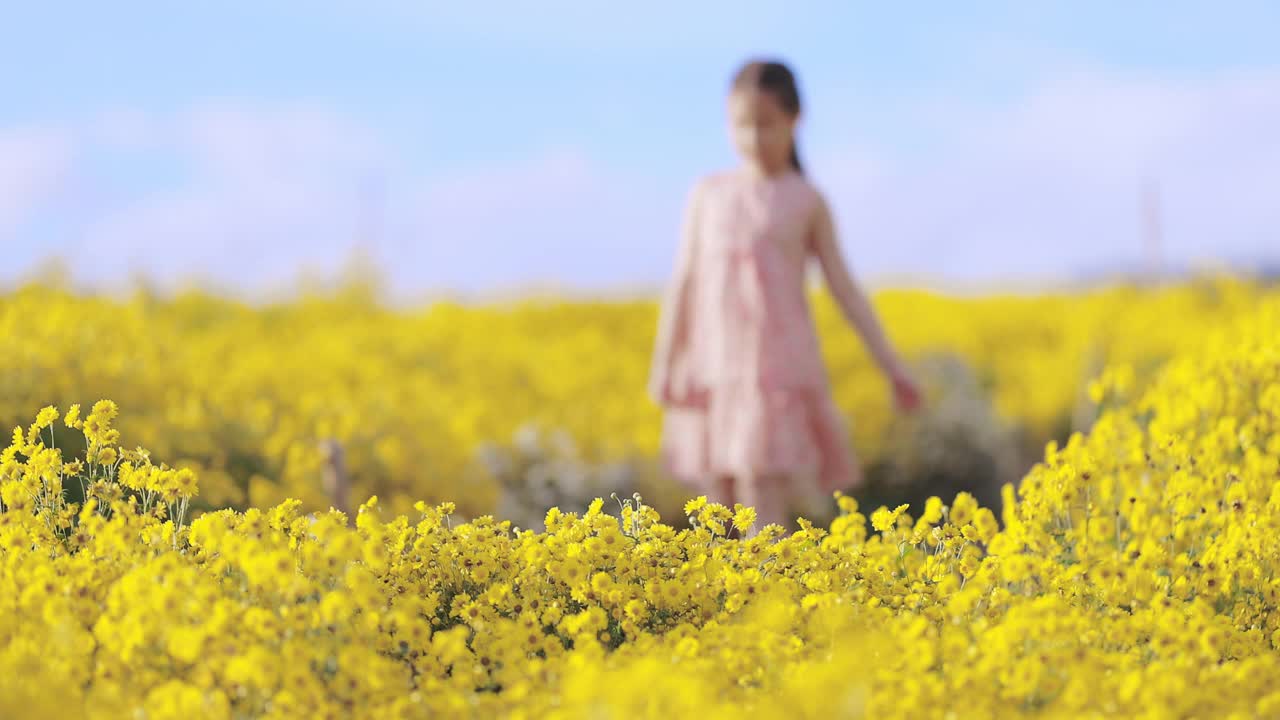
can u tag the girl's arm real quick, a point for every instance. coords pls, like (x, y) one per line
(849, 296)
(673, 316)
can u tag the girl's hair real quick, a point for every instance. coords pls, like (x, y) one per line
(777, 79)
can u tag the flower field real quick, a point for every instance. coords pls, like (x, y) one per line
(245, 395)
(1132, 573)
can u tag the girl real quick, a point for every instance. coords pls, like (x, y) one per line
(736, 365)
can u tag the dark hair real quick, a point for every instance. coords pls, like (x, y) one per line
(776, 78)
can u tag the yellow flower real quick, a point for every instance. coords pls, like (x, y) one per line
(186, 644)
(985, 525)
(744, 519)
(932, 511)
(963, 509)
(693, 506)
(884, 520)
(72, 419)
(46, 417)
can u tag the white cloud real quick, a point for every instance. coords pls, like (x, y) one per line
(34, 163)
(1048, 184)
(268, 190)
(1052, 183)
(240, 143)
(552, 217)
(124, 128)
(271, 191)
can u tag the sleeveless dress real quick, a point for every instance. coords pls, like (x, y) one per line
(737, 366)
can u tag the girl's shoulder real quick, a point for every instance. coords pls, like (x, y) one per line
(813, 193)
(714, 181)
(804, 185)
(731, 179)
(795, 190)
(706, 188)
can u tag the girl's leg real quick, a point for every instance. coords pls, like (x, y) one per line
(767, 494)
(722, 491)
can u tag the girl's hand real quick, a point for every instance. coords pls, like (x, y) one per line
(659, 389)
(905, 391)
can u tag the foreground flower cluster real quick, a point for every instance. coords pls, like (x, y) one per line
(246, 395)
(1134, 573)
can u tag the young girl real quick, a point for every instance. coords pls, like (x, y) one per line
(737, 366)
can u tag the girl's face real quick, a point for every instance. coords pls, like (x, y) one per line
(762, 130)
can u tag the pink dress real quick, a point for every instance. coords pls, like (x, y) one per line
(737, 366)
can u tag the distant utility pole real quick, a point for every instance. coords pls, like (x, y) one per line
(1152, 228)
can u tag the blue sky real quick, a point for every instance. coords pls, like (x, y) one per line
(476, 146)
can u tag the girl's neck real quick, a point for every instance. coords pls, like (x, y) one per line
(756, 171)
